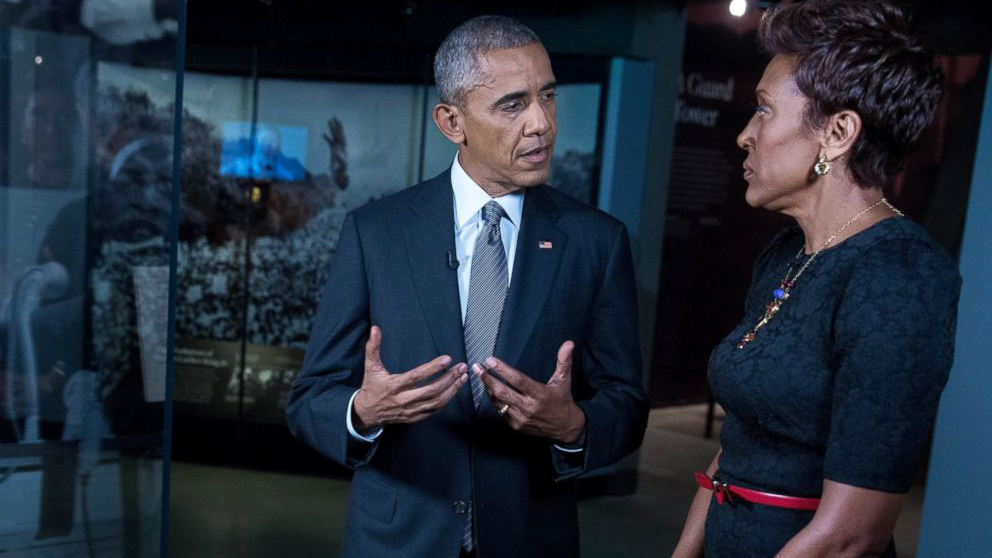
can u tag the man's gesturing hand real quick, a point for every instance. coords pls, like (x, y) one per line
(545, 410)
(386, 398)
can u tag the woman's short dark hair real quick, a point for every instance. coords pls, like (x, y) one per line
(860, 56)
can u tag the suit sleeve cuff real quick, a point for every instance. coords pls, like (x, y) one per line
(351, 427)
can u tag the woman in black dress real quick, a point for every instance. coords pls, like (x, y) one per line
(831, 381)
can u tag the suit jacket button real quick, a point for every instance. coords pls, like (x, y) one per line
(459, 506)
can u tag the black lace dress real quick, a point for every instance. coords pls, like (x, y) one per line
(841, 384)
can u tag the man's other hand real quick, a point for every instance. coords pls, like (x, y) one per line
(531, 407)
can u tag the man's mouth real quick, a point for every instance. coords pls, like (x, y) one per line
(536, 155)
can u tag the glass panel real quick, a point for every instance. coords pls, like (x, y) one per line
(279, 164)
(85, 197)
(574, 167)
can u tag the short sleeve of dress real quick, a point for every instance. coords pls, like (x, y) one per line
(893, 345)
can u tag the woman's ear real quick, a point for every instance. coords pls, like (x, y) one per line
(448, 119)
(840, 134)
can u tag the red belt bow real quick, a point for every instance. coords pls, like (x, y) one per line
(727, 492)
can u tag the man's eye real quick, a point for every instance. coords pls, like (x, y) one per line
(512, 106)
(549, 95)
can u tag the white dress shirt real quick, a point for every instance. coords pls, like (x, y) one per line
(469, 199)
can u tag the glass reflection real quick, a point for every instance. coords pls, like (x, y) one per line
(85, 197)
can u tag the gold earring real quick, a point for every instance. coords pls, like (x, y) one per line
(822, 166)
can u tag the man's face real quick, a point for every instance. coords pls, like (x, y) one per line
(136, 203)
(509, 121)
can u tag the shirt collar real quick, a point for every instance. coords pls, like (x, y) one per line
(470, 198)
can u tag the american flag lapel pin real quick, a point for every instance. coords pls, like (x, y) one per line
(544, 245)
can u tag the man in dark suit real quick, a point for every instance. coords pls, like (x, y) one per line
(476, 343)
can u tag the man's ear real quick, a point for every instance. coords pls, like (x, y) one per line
(839, 135)
(449, 119)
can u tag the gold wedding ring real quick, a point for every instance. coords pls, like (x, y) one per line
(502, 410)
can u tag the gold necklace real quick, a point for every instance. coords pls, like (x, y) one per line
(781, 294)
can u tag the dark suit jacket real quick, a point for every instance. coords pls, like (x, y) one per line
(391, 270)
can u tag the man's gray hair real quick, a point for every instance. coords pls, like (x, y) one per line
(456, 64)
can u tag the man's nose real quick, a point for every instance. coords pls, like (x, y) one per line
(539, 120)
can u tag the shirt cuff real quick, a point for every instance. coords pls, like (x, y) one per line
(578, 445)
(569, 450)
(351, 427)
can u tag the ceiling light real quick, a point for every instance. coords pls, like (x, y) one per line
(738, 7)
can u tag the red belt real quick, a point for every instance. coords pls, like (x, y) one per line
(726, 492)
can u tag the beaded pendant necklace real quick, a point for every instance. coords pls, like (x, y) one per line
(781, 294)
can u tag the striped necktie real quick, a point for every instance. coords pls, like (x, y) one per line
(486, 294)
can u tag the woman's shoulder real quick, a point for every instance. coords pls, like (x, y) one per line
(900, 249)
(901, 236)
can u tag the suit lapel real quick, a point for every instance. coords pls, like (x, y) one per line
(430, 235)
(540, 248)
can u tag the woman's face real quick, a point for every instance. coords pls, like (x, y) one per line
(781, 151)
